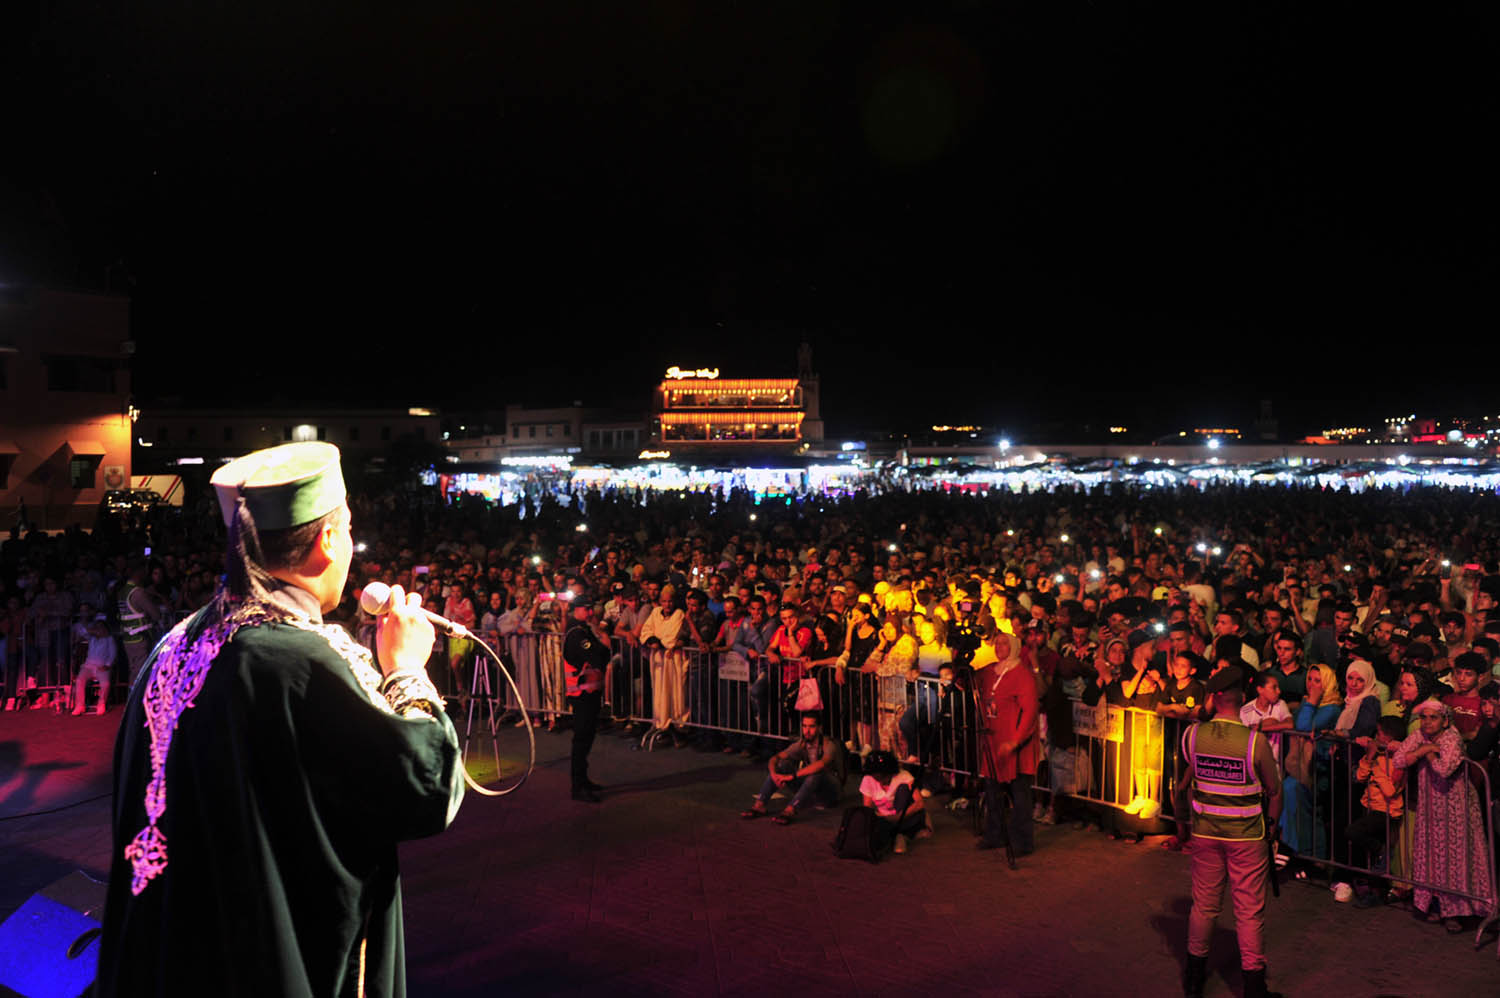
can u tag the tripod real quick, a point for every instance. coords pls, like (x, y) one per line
(1002, 799)
(482, 699)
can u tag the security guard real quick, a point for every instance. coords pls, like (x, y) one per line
(1229, 775)
(138, 615)
(585, 654)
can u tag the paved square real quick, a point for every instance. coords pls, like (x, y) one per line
(664, 890)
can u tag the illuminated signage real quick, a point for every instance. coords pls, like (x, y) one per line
(655, 455)
(526, 461)
(675, 373)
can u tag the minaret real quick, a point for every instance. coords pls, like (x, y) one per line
(812, 419)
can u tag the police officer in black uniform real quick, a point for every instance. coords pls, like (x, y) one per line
(585, 655)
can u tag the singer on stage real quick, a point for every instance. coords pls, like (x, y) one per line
(267, 766)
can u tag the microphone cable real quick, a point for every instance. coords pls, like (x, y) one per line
(525, 719)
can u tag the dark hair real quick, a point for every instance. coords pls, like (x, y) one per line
(1393, 726)
(813, 716)
(1264, 676)
(882, 765)
(1472, 661)
(1427, 686)
(254, 554)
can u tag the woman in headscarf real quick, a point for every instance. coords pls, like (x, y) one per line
(1355, 727)
(1448, 842)
(1361, 704)
(1307, 764)
(1416, 685)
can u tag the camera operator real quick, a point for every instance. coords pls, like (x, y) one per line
(964, 638)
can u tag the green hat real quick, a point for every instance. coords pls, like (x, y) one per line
(283, 486)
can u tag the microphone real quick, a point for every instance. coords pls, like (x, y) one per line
(376, 599)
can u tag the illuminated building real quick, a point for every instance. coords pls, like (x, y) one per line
(699, 411)
(65, 412)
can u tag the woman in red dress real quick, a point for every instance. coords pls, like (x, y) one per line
(1008, 707)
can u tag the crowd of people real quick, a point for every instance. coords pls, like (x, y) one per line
(1364, 628)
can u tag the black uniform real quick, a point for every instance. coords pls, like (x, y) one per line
(584, 659)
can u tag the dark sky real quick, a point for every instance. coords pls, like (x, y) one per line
(1005, 212)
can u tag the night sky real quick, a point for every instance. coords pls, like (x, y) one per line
(1013, 213)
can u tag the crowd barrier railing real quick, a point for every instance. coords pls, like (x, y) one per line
(746, 701)
(1442, 844)
(1122, 758)
(45, 666)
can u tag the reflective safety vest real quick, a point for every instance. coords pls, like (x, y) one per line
(1227, 794)
(580, 642)
(134, 625)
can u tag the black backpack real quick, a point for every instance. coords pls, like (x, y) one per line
(856, 835)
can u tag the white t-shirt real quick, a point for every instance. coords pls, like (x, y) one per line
(884, 797)
(101, 651)
(1250, 715)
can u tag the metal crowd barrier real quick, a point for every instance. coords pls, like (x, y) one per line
(46, 658)
(745, 702)
(1120, 756)
(1323, 799)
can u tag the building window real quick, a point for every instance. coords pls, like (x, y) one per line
(161, 434)
(354, 434)
(567, 429)
(420, 433)
(385, 434)
(515, 432)
(531, 431)
(549, 429)
(228, 434)
(192, 433)
(81, 472)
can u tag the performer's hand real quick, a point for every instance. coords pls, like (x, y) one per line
(404, 636)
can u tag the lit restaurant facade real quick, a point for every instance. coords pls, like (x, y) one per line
(701, 413)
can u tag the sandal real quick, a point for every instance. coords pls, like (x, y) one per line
(785, 817)
(750, 813)
(1453, 925)
(1173, 844)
